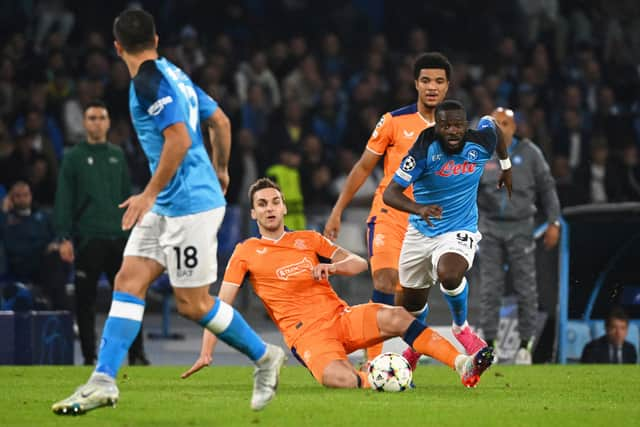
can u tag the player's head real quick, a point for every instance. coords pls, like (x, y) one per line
(617, 326)
(431, 72)
(267, 205)
(96, 121)
(451, 125)
(135, 32)
(506, 120)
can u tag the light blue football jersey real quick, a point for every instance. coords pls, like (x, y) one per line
(161, 95)
(450, 181)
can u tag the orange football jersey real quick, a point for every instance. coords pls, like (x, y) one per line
(281, 274)
(392, 138)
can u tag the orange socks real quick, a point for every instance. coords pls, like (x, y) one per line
(432, 344)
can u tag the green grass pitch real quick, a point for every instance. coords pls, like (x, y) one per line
(543, 395)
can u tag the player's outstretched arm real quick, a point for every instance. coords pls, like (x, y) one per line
(228, 293)
(394, 196)
(358, 175)
(176, 145)
(220, 135)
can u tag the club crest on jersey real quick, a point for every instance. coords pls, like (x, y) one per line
(300, 244)
(158, 106)
(472, 155)
(451, 168)
(295, 269)
(408, 164)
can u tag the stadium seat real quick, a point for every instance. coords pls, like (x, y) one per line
(578, 335)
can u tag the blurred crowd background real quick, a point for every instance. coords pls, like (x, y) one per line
(304, 83)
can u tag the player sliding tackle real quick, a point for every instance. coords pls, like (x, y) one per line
(320, 328)
(444, 165)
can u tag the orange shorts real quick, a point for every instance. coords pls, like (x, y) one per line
(385, 234)
(355, 328)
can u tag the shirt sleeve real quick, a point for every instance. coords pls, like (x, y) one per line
(157, 97)
(381, 136)
(413, 164)
(323, 246)
(237, 267)
(206, 105)
(488, 135)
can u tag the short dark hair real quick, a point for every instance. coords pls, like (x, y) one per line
(449, 105)
(261, 184)
(135, 30)
(618, 313)
(96, 103)
(432, 60)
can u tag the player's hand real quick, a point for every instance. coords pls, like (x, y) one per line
(427, 211)
(66, 251)
(332, 227)
(223, 177)
(551, 236)
(505, 180)
(323, 271)
(202, 362)
(137, 206)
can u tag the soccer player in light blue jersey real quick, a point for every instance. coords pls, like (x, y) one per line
(444, 166)
(175, 219)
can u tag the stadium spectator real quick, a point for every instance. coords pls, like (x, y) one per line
(256, 71)
(611, 347)
(87, 220)
(599, 179)
(507, 234)
(30, 248)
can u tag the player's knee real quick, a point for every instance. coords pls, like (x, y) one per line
(385, 280)
(450, 279)
(125, 282)
(395, 320)
(339, 377)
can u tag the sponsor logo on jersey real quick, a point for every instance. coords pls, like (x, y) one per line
(300, 244)
(261, 251)
(300, 267)
(452, 168)
(408, 134)
(157, 107)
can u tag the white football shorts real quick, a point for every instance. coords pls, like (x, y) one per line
(186, 246)
(419, 256)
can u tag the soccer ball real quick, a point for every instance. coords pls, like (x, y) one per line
(390, 372)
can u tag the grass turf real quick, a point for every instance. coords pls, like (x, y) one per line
(543, 395)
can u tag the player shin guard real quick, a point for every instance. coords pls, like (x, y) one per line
(120, 329)
(229, 326)
(421, 315)
(457, 300)
(428, 342)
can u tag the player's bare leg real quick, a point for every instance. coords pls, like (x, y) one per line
(415, 301)
(385, 281)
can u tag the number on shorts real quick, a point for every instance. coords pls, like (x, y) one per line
(464, 238)
(190, 254)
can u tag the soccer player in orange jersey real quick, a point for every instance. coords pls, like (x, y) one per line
(392, 138)
(285, 270)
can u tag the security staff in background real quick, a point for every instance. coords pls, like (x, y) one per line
(93, 181)
(507, 234)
